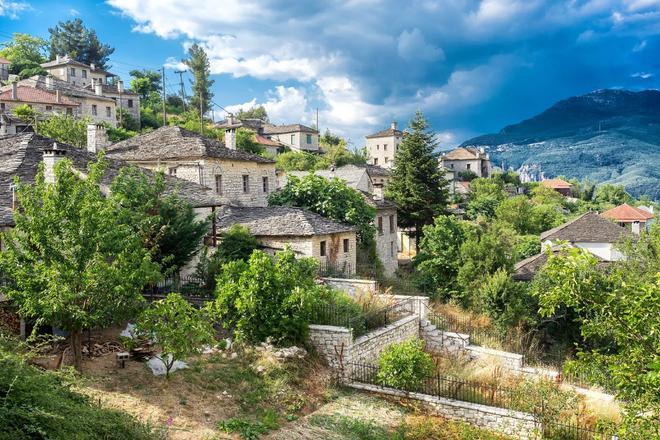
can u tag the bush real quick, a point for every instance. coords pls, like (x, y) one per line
(404, 365)
(336, 308)
(40, 405)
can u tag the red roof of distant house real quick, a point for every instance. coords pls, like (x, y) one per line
(4, 61)
(627, 213)
(556, 184)
(263, 140)
(37, 96)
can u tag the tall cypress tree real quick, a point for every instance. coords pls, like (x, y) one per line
(199, 65)
(418, 184)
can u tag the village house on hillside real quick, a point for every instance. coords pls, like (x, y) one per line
(382, 146)
(44, 103)
(273, 137)
(559, 185)
(359, 178)
(308, 234)
(467, 159)
(76, 73)
(635, 219)
(239, 178)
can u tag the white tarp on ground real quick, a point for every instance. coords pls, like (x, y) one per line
(129, 331)
(158, 367)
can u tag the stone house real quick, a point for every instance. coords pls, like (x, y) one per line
(559, 185)
(308, 234)
(298, 137)
(125, 99)
(633, 218)
(526, 270)
(382, 146)
(76, 73)
(4, 69)
(237, 177)
(45, 103)
(467, 159)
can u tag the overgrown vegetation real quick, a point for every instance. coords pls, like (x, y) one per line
(404, 365)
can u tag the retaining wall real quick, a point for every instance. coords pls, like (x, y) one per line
(353, 287)
(367, 348)
(516, 424)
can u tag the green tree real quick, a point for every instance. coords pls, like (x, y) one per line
(256, 112)
(546, 196)
(266, 297)
(484, 198)
(516, 211)
(418, 185)
(608, 194)
(404, 365)
(439, 256)
(504, 300)
(246, 141)
(26, 114)
(199, 65)
(80, 43)
(179, 329)
(297, 161)
(71, 263)
(147, 83)
(337, 154)
(166, 223)
(26, 53)
(66, 129)
(329, 198)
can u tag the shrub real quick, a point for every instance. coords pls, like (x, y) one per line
(336, 308)
(404, 365)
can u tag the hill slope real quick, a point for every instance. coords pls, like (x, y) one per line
(607, 136)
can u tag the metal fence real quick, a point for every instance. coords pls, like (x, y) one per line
(189, 287)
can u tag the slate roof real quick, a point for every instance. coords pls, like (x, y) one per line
(462, 153)
(68, 89)
(278, 221)
(290, 128)
(388, 132)
(526, 269)
(37, 96)
(556, 184)
(375, 170)
(350, 174)
(20, 155)
(67, 61)
(378, 203)
(172, 142)
(588, 228)
(110, 89)
(627, 213)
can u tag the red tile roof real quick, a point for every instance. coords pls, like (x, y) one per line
(4, 61)
(555, 183)
(627, 213)
(37, 96)
(263, 140)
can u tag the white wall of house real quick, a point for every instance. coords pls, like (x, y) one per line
(299, 140)
(381, 150)
(605, 251)
(474, 165)
(77, 75)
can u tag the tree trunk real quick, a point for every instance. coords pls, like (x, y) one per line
(76, 348)
(418, 235)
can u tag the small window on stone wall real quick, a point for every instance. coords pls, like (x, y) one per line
(218, 184)
(264, 183)
(246, 183)
(391, 249)
(347, 245)
(322, 248)
(380, 225)
(391, 224)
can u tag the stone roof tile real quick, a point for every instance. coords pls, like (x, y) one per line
(588, 228)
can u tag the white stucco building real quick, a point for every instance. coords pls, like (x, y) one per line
(382, 146)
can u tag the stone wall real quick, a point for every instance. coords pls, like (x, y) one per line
(367, 348)
(516, 424)
(511, 361)
(331, 343)
(352, 287)
(387, 243)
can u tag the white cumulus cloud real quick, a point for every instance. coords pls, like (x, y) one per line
(12, 9)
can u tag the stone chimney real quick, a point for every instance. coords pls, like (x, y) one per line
(58, 96)
(97, 138)
(230, 138)
(58, 58)
(14, 91)
(98, 89)
(393, 126)
(120, 86)
(378, 192)
(49, 82)
(92, 66)
(51, 157)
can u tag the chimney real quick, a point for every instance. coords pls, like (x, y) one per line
(378, 192)
(51, 157)
(58, 97)
(120, 86)
(49, 82)
(98, 89)
(230, 138)
(92, 66)
(14, 91)
(393, 125)
(97, 138)
(58, 58)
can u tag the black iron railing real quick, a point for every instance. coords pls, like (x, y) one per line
(189, 287)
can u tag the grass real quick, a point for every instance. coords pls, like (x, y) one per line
(351, 428)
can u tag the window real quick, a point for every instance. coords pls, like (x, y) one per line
(130, 103)
(2, 106)
(171, 171)
(451, 165)
(347, 245)
(377, 147)
(108, 112)
(293, 139)
(84, 73)
(309, 138)
(69, 111)
(375, 161)
(468, 166)
(73, 71)
(322, 248)
(49, 108)
(246, 183)
(218, 184)
(391, 224)
(387, 159)
(384, 147)
(94, 111)
(380, 225)
(264, 183)
(391, 249)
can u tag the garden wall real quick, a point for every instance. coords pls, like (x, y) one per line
(352, 287)
(516, 424)
(331, 343)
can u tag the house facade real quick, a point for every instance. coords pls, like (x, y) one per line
(559, 185)
(125, 99)
(633, 218)
(76, 73)
(298, 137)
(382, 146)
(467, 159)
(237, 177)
(44, 103)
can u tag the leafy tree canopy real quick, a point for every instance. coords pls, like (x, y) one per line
(147, 83)
(329, 198)
(80, 43)
(200, 67)
(608, 194)
(23, 48)
(246, 141)
(256, 112)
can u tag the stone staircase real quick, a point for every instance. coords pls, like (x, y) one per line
(440, 341)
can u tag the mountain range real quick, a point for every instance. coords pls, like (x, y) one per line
(608, 136)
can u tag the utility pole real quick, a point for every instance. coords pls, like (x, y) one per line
(164, 110)
(183, 90)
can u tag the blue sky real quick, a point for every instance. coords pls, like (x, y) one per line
(471, 66)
